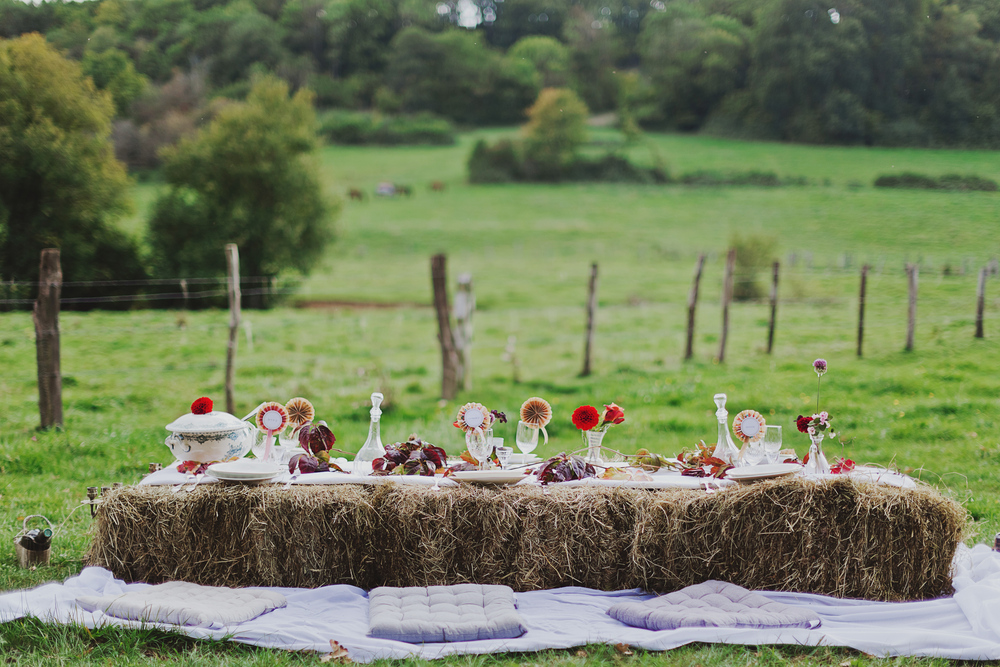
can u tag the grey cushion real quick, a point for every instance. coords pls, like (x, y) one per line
(464, 612)
(712, 604)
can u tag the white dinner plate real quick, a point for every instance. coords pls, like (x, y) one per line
(489, 476)
(767, 471)
(244, 470)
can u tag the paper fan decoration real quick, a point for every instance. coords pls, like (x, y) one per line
(473, 417)
(536, 412)
(749, 426)
(272, 417)
(300, 411)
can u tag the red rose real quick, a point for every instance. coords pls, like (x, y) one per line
(202, 406)
(586, 417)
(613, 414)
(802, 423)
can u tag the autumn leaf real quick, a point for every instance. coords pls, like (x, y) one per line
(623, 648)
(337, 654)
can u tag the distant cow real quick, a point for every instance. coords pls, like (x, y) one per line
(437, 186)
(356, 193)
(404, 190)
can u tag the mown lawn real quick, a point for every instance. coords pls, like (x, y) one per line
(932, 411)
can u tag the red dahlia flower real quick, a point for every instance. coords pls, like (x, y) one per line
(802, 423)
(202, 406)
(586, 417)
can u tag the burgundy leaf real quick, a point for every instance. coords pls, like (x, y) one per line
(316, 438)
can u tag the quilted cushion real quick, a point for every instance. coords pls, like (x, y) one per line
(182, 603)
(712, 604)
(464, 612)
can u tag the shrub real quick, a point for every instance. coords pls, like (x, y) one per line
(754, 254)
(914, 181)
(758, 178)
(613, 168)
(557, 127)
(494, 164)
(355, 128)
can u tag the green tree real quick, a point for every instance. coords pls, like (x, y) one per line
(452, 74)
(246, 178)
(60, 185)
(693, 61)
(595, 48)
(556, 127)
(549, 57)
(113, 71)
(516, 19)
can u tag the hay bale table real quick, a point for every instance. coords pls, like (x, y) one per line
(837, 537)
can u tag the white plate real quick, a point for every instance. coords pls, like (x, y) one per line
(768, 471)
(489, 476)
(248, 470)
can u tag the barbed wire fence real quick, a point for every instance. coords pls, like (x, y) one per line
(193, 293)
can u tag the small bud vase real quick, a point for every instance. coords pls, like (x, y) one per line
(817, 463)
(592, 440)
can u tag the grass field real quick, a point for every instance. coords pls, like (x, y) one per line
(932, 411)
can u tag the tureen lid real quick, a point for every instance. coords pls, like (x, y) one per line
(210, 422)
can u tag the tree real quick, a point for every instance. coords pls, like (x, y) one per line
(549, 56)
(112, 71)
(693, 61)
(245, 178)
(557, 126)
(452, 74)
(60, 185)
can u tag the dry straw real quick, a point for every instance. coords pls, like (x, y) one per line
(838, 537)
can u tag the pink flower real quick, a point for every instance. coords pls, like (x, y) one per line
(820, 367)
(811, 430)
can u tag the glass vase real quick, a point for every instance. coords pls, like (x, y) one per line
(592, 441)
(817, 463)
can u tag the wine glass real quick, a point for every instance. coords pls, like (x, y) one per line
(526, 438)
(503, 453)
(772, 443)
(479, 445)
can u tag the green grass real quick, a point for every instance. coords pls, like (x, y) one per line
(932, 411)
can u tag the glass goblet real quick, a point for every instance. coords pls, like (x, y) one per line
(772, 443)
(526, 438)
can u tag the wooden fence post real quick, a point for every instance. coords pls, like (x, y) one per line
(449, 356)
(861, 307)
(233, 289)
(774, 306)
(727, 296)
(465, 307)
(46, 318)
(692, 304)
(591, 312)
(184, 294)
(911, 320)
(980, 302)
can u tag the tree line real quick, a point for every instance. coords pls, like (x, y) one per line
(893, 72)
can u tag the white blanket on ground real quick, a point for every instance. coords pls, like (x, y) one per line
(183, 603)
(965, 626)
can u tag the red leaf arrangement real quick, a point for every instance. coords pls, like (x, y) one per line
(842, 466)
(202, 406)
(586, 417)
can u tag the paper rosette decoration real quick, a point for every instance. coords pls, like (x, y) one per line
(272, 417)
(300, 411)
(474, 417)
(537, 413)
(749, 426)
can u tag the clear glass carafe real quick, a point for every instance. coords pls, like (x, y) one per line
(373, 447)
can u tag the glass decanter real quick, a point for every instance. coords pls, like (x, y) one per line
(725, 448)
(373, 447)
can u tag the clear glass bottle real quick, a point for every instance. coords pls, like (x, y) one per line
(725, 448)
(372, 448)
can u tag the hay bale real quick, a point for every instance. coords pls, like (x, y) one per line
(835, 537)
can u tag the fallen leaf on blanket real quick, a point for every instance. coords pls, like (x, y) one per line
(581, 654)
(623, 648)
(337, 654)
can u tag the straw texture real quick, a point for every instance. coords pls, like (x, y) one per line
(837, 537)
